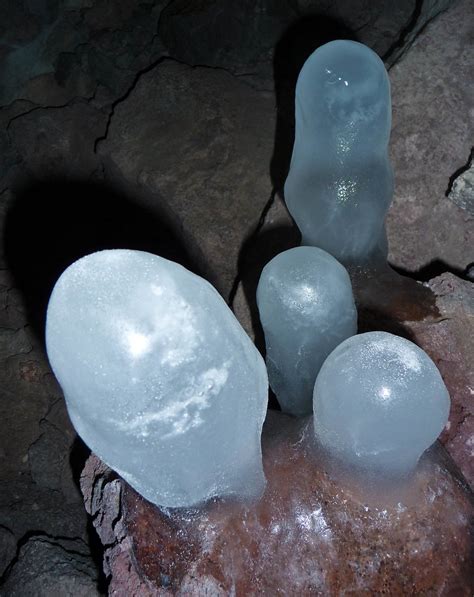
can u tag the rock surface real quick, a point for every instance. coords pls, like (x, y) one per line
(48, 567)
(241, 36)
(187, 138)
(450, 341)
(431, 139)
(313, 532)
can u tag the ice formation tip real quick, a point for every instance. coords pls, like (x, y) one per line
(379, 402)
(160, 380)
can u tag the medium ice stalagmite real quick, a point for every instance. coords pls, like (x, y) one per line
(160, 380)
(306, 308)
(340, 182)
(379, 403)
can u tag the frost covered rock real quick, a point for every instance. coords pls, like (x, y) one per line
(306, 308)
(159, 378)
(379, 402)
(340, 182)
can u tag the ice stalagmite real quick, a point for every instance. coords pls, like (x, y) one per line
(340, 186)
(160, 380)
(379, 403)
(306, 308)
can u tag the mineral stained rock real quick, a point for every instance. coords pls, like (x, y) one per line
(312, 532)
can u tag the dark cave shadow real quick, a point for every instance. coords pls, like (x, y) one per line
(377, 320)
(52, 224)
(435, 268)
(291, 51)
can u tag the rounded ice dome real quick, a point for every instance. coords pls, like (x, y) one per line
(344, 86)
(160, 379)
(379, 402)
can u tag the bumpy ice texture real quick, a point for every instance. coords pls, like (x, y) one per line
(306, 308)
(340, 182)
(160, 380)
(379, 402)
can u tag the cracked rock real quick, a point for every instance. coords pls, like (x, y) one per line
(70, 49)
(241, 36)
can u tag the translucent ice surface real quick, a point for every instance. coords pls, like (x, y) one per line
(339, 186)
(306, 308)
(379, 402)
(160, 380)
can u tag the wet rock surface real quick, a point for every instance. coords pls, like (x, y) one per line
(312, 532)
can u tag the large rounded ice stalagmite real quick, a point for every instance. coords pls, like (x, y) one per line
(306, 308)
(160, 380)
(379, 403)
(340, 182)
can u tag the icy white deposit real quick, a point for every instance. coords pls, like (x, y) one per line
(306, 307)
(160, 380)
(340, 182)
(379, 402)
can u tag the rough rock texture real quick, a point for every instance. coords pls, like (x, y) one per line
(56, 51)
(37, 485)
(462, 191)
(431, 139)
(314, 531)
(46, 567)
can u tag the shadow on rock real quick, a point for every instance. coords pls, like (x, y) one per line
(294, 47)
(434, 269)
(52, 224)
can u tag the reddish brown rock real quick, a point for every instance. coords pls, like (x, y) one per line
(312, 532)
(439, 317)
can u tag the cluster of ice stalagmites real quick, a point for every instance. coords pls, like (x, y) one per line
(378, 400)
(164, 385)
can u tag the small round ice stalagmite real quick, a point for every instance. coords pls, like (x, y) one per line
(160, 380)
(379, 403)
(306, 308)
(340, 182)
